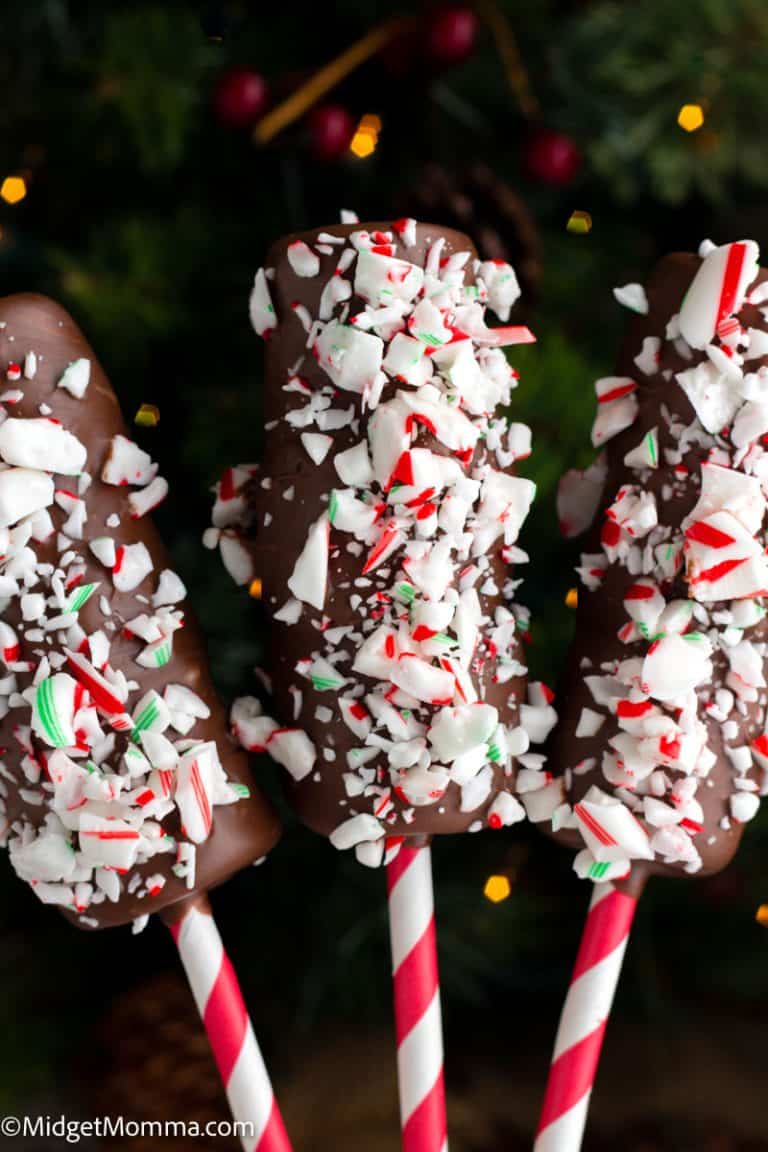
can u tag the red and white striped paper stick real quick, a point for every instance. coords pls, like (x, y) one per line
(583, 1020)
(220, 1004)
(418, 1022)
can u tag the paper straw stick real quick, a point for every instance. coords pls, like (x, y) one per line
(416, 985)
(220, 1004)
(584, 1019)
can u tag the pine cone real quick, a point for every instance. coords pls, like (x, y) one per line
(477, 202)
(155, 1064)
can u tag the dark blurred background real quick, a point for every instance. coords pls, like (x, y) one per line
(134, 190)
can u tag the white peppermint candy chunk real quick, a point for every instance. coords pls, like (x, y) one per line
(617, 407)
(644, 603)
(126, 463)
(578, 497)
(381, 279)
(502, 286)
(647, 359)
(348, 514)
(148, 498)
(714, 397)
(103, 548)
(538, 721)
(179, 698)
(660, 815)
(351, 358)
(23, 491)
(389, 438)
(309, 580)
(751, 423)
(422, 680)
(355, 716)
(542, 804)
(477, 790)
(354, 466)
(236, 559)
(251, 727)
(427, 324)
(675, 665)
(196, 776)
(632, 296)
(317, 445)
(302, 259)
(356, 830)
(758, 344)
(466, 766)
(423, 786)
(170, 589)
(717, 291)
(377, 654)
(744, 806)
(429, 567)
(47, 858)
(133, 564)
(260, 307)
(723, 561)
(428, 619)
(68, 779)
(30, 366)
(646, 455)
(293, 749)
(600, 872)
(108, 843)
(505, 501)
(590, 723)
(406, 360)
(455, 731)
(370, 853)
(42, 444)
(505, 810)
(610, 831)
(479, 392)
(728, 490)
(159, 750)
(676, 617)
(75, 378)
(746, 674)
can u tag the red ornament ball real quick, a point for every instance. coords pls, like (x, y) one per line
(451, 35)
(552, 157)
(241, 97)
(331, 128)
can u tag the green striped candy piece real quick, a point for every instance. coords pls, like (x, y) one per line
(46, 707)
(407, 592)
(597, 871)
(242, 790)
(163, 653)
(325, 684)
(144, 720)
(80, 596)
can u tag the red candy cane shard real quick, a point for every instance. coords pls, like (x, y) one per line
(584, 1019)
(238, 1058)
(417, 1002)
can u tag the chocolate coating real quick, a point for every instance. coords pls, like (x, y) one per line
(321, 799)
(601, 613)
(242, 832)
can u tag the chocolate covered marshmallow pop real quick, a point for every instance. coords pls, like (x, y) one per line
(661, 732)
(121, 791)
(380, 533)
